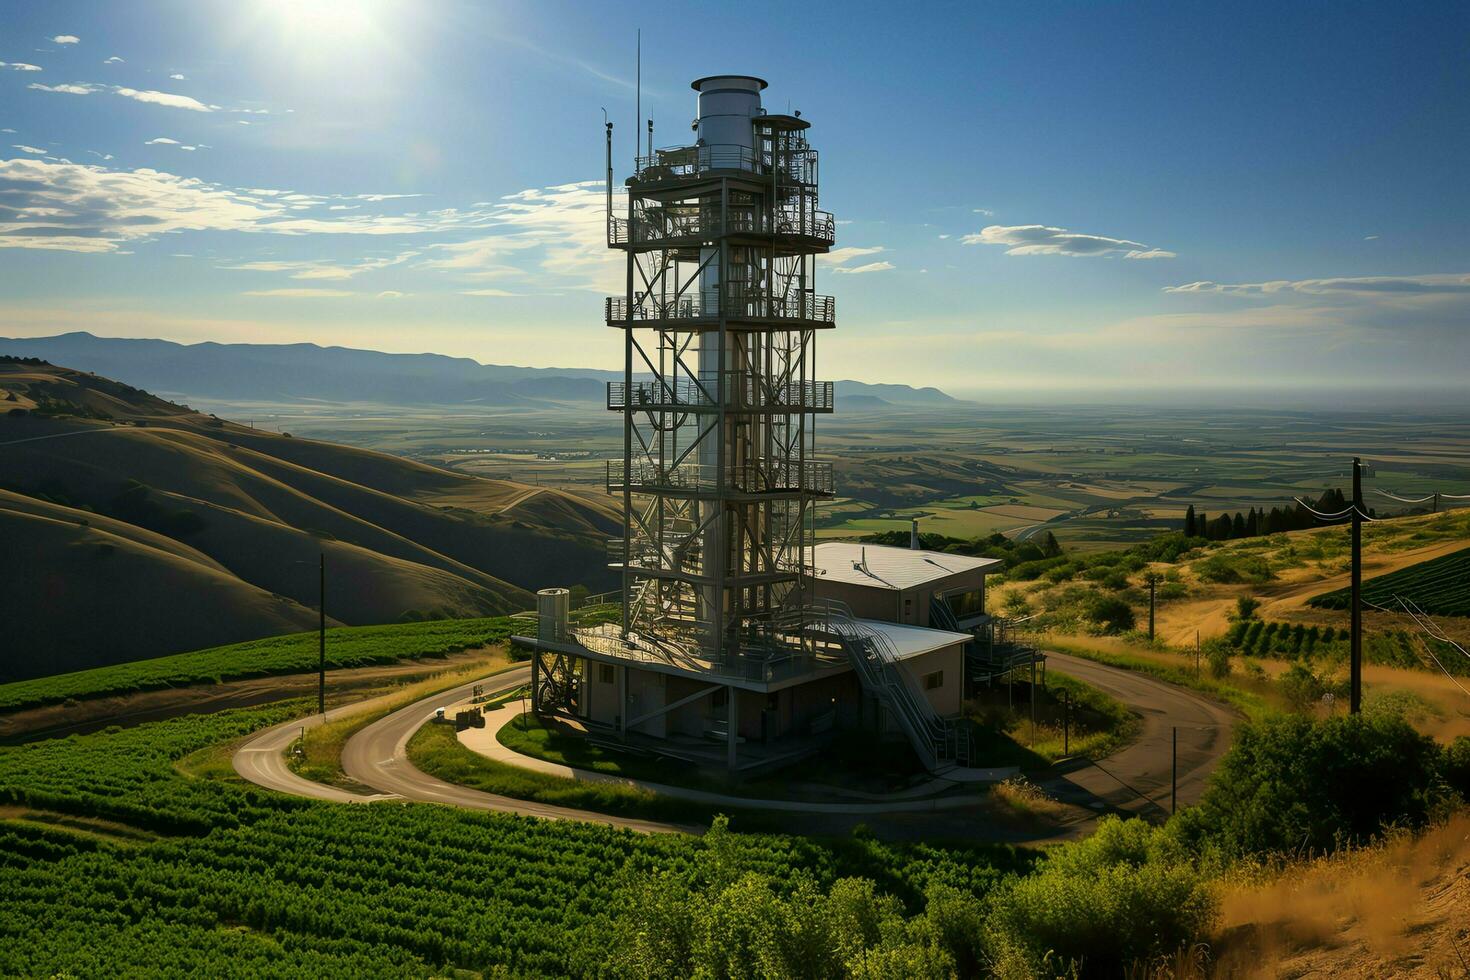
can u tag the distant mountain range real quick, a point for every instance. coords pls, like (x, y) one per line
(307, 372)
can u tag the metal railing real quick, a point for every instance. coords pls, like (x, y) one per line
(794, 165)
(736, 301)
(937, 741)
(741, 392)
(696, 222)
(766, 476)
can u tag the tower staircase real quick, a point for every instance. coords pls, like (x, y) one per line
(939, 742)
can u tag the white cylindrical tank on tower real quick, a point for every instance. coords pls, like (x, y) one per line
(727, 103)
(552, 614)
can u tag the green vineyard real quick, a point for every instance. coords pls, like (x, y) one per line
(1440, 586)
(347, 646)
(114, 862)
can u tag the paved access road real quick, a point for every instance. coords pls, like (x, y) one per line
(1137, 777)
(377, 756)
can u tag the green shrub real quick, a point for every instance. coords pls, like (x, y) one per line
(1293, 785)
(1457, 766)
(1231, 568)
(1246, 606)
(1110, 613)
(1217, 655)
(1125, 893)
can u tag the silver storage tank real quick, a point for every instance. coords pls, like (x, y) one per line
(551, 614)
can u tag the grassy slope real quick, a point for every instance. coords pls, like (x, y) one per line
(399, 536)
(355, 646)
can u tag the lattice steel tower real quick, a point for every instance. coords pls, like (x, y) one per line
(719, 392)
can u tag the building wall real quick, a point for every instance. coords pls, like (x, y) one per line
(601, 706)
(646, 692)
(866, 603)
(910, 606)
(948, 660)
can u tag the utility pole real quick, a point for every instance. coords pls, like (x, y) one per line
(321, 663)
(1066, 723)
(1153, 580)
(1196, 653)
(1355, 667)
(1174, 776)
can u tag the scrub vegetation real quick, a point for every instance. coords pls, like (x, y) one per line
(199, 873)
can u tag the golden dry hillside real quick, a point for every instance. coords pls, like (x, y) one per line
(135, 527)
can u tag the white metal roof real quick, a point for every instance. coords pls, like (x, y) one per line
(912, 641)
(882, 567)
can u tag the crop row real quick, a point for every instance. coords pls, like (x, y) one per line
(1441, 587)
(247, 882)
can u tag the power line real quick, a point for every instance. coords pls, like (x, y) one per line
(1406, 500)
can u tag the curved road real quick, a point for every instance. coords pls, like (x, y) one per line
(377, 756)
(1135, 779)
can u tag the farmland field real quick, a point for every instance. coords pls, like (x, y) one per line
(1440, 586)
(1099, 477)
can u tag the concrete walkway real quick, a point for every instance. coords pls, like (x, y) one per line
(486, 742)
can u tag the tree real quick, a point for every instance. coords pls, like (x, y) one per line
(1189, 522)
(1246, 606)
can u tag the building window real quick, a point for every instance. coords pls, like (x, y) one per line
(934, 681)
(605, 673)
(966, 604)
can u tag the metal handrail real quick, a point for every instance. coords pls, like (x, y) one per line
(675, 222)
(796, 164)
(880, 669)
(736, 300)
(741, 391)
(766, 476)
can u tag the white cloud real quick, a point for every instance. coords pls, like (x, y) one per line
(161, 139)
(177, 77)
(986, 212)
(65, 39)
(68, 89)
(321, 269)
(391, 294)
(164, 99)
(487, 291)
(114, 60)
(1359, 286)
(301, 293)
(99, 209)
(29, 149)
(869, 267)
(839, 257)
(100, 156)
(1047, 240)
(20, 66)
(1370, 238)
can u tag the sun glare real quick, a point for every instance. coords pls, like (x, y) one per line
(326, 21)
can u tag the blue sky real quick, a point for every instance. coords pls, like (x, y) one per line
(1035, 197)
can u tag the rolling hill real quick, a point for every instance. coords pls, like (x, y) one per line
(137, 527)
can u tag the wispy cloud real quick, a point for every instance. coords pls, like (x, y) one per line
(29, 149)
(177, 77)
(66, 39)
(301, 293)
(114, 60)
(19, 66)
(97, 209)
(1386, 286)
(67, 89)
(487, 291)
(164, 99)
(1047, 240)
(321, 269)
(839, 258)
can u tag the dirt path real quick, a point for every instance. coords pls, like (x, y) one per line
(58, 720)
